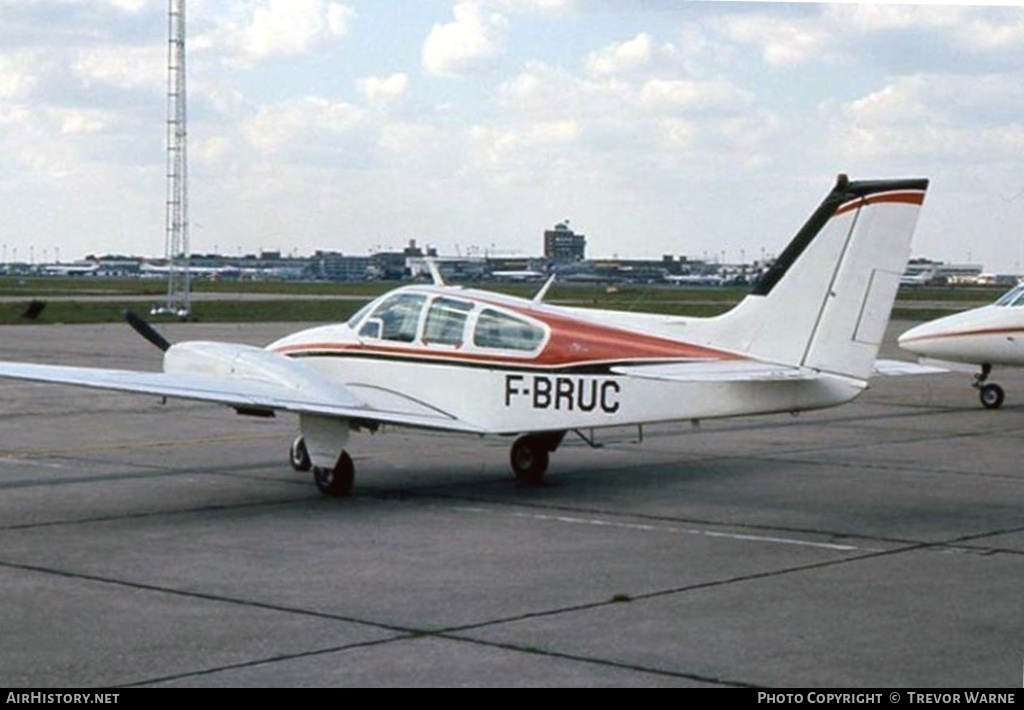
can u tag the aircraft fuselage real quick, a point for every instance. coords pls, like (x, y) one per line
(557, 377)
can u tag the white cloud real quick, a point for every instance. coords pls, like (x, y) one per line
(83, 122)
(407, 138)
(783, 41)
(987, 35)
(48, 143)
(124, 67)
(131, 5)
(692, 95)
(514, 153)
(16, 78)
(339, 19)
(938, 116)
(474, 37)
(383, 90)
(622, 57)
(279, 127)
(892, 104)
(842, 29)
(872, 17)
(534, 5)
(278, 28)
(209, 150)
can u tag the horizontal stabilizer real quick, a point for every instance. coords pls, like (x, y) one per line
(902, 367)
(718, 371)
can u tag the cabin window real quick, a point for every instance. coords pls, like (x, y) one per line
(495, 329)
(446, 322)
(397, 318)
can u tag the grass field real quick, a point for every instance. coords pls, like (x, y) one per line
(92, 300)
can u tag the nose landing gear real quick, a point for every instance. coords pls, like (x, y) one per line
(990, 394)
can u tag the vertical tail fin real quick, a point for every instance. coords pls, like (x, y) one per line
(826, 301)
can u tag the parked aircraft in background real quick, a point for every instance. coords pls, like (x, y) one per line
(446, 358)
(88, 269)
(695, 279)
(519, 275)
(987, 336)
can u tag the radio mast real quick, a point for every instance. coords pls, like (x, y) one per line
(179, 299)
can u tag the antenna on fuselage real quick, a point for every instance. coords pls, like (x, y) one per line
(435, 272)
(544, 289)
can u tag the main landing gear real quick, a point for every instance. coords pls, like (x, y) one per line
(531, 454)
(334, 482)
(991, 394)
(299, 456)
(528, 458)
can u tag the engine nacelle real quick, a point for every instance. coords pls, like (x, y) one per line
(229, 360)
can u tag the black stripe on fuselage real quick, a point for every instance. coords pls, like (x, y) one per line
(591, 368)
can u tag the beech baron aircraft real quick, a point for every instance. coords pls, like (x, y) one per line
(446, 358)
(986, 336)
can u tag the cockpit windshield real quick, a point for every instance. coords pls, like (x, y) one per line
(1012, 298)
(396, 318)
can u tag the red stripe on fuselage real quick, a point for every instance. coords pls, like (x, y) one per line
(572, 343)
(963, 334)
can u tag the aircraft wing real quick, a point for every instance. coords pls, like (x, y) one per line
(718, 371)
(327, 398)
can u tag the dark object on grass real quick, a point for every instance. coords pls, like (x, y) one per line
(34, 309)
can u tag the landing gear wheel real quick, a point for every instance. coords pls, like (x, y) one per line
(529, 459)
(991, 396)
(299, 455)
(336, 482)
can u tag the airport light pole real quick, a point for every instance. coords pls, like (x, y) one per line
(179, 298)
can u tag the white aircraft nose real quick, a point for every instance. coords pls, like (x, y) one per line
(962, 337)
(943, 338)
(917, 338)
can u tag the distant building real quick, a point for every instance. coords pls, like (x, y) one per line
(563, 244)
(925, 271)
(395, 265)
(338, 267)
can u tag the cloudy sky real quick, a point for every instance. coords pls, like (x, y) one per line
(655, 126)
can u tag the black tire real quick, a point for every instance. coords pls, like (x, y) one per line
(529, 459)
(299, 455)
(336, 482)
(991, 396)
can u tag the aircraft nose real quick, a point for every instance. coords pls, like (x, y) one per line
(906, 338)
(918, 339)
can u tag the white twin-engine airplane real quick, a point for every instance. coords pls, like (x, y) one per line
(986, 336)
(445, 358)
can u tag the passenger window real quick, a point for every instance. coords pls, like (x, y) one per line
(500, 330)
(396, 318)
(446, 322)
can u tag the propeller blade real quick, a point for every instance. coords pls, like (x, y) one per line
(146, 331)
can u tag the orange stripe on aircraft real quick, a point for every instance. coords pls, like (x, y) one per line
(909, 198)
(964, 333)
